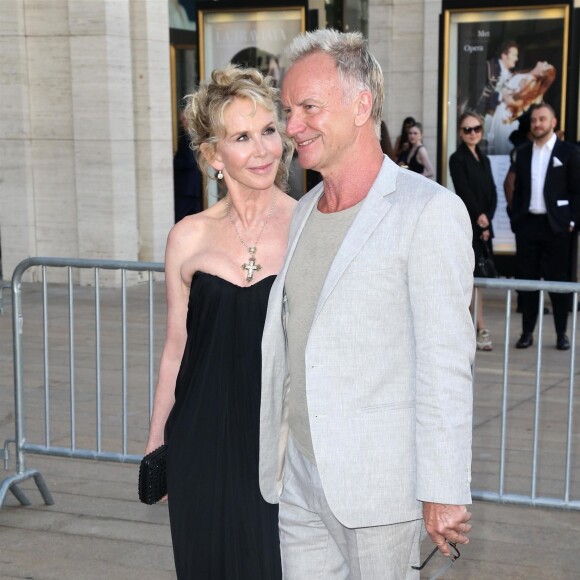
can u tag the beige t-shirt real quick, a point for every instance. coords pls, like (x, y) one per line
(320, 240)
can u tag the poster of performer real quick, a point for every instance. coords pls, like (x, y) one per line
(248, 37)
(499, 63)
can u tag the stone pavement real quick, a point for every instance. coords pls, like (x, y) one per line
(98, 529)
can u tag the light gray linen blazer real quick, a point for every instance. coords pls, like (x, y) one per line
(388, 357)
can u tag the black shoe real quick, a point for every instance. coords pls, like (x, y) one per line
(562, 343)
(526, 340)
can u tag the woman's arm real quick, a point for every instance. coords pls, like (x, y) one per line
(492, 193)
(423, 159)
(177, 300)
(462, 185)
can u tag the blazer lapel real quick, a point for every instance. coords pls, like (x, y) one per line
(375, 206)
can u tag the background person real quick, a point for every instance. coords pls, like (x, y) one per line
(187, 182)
(368, 342)
(544, 212)
(386, 145)
(219, 267)
(402, 142)
(473, 182)
(415, 157)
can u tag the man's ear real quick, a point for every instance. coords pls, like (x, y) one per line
(363, 107)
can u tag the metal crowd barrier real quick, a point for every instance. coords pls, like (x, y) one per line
(570, 469)
(21, 442)
(502, 492)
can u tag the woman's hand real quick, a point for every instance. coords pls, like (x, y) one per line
(482, 221)
(485, 235)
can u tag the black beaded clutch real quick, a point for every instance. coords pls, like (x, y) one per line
(152, 476)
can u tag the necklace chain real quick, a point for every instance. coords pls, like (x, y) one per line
(250, 266)
(266, 220)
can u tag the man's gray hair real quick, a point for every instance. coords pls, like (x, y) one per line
(357, 68)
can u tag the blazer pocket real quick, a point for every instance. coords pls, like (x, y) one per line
(377, 265)
(388, 406)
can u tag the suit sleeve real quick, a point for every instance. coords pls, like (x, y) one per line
(574, 184)
(463, 188)
(493, 193)
(440, 284)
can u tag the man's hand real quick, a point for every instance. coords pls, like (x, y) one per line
(446, 522)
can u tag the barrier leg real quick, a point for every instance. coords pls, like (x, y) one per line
(19, 495)
(10, 484)
(43, 488)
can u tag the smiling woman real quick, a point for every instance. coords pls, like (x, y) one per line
(220, 265)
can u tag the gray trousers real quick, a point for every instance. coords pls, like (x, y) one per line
(316, 546)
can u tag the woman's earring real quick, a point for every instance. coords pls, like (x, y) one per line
(220, 174)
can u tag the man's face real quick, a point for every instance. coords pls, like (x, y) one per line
(510, 58)
(543, 123)
(320, 118)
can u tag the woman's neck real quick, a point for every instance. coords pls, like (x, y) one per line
(473, 149)
(251, 207)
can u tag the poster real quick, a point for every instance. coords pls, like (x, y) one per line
(499, 63)
(249, 38)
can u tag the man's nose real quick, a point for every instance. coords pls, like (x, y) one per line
(294, 125)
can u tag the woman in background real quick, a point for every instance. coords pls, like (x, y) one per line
(219, 266)
(416, 157)
(402, 142)
(473, 181)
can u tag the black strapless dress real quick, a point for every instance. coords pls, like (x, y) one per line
(221, 527)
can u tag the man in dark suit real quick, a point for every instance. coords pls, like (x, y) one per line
(544, 212)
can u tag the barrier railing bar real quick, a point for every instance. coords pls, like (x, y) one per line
(81, 453)
(45, 357)
(98, 357)
(71, 338)
(504, 398)
(124, 356)
(538, 394)
(550, 502)
(151, 345)
(528, 285)
(570, 433)
(17, 324)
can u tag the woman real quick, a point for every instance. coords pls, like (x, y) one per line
(415, 157)
(522, 90)
(386, 146)
(473, 181)
(219, 266)
(402, 142)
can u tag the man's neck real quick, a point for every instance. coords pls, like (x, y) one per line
(345, 186)
(541, 142)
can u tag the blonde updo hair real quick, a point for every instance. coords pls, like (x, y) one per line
(204, 112)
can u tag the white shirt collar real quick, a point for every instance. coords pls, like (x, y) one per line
(549, 144)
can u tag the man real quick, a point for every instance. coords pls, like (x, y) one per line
(499, 70)
(544, 212)
(368, 344)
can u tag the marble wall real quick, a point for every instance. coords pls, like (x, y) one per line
(404, 36)
(85, 129)
(85, 119)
